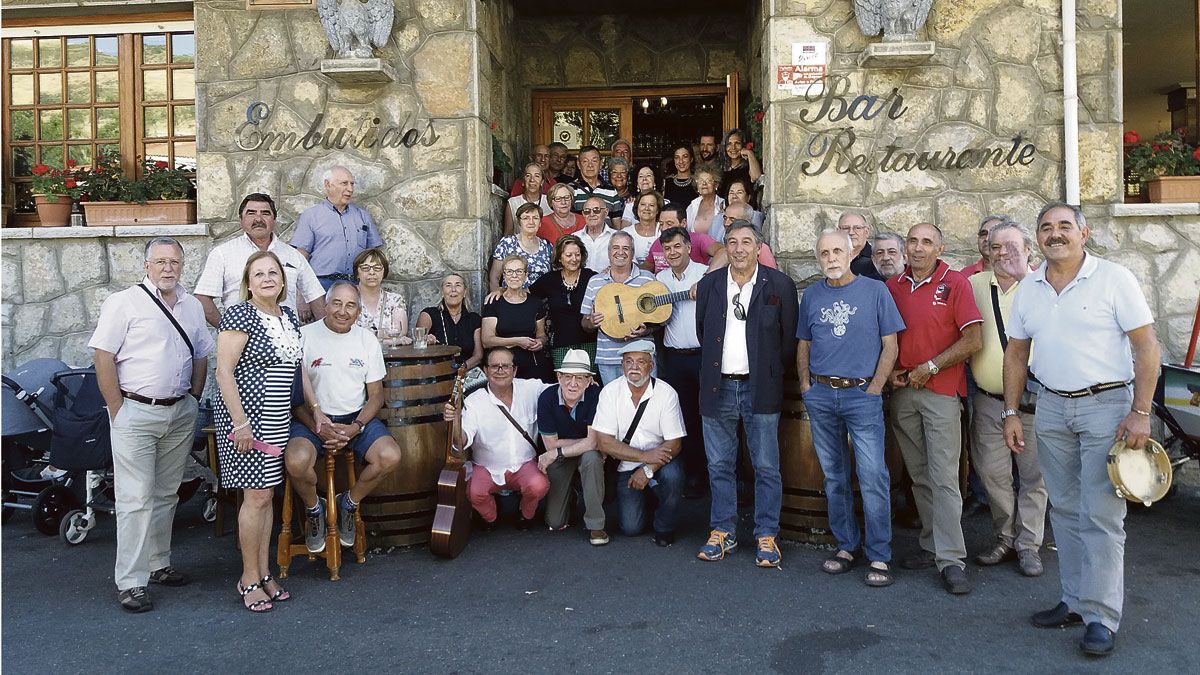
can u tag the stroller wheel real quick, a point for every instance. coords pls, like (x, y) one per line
(50, 506)
(74, 527)
(210, 509)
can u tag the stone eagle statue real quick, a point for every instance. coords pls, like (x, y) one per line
(354, 27)
(897, 19)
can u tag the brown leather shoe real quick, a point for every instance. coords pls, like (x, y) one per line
(997, 554)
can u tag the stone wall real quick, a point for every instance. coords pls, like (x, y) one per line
(56, 279)
(996, 75)
(432, 204)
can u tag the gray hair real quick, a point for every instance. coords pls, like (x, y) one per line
(832, 231)
(622, 141)
(847, 214)
(1007, 224)
(341, 283)
(327, 177)
(741, 224)
(998, 217)
(744, 209)
(161, 241)
(621, 233)
(614, 162)
(1080, 221)
(884, 236)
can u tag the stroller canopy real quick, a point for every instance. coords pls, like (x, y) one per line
(17, 417)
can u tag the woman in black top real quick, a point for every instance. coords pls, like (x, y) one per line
(681, 187)
(517, 320)
(737, 162)
(563, 289)
(452, 322)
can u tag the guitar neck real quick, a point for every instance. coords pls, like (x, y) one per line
(672, 298)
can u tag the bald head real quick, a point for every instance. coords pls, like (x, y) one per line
(541, 155)
(738, 211)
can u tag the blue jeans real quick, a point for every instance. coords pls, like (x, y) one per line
(833, 412)
(631, 504)
(721, 447)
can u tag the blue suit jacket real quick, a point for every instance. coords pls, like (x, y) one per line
(770, 336)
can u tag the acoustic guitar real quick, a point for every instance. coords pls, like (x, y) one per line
(452, 519)
(625, 307)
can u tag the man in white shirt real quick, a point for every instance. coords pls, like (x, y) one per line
(345, 364)
(151, 376)
(222, 275)
(681, 351)
(638, 421)
(1097, 359)
(498, 425)
(595, 235)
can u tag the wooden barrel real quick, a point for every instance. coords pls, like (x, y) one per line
(805, 516)
(416, 388)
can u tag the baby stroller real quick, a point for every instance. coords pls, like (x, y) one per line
(32, 395)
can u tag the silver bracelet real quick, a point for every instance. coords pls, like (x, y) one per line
(241, 426)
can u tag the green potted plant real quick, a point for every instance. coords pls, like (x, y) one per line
(1169, 165)
(162, 196)
(55, 192)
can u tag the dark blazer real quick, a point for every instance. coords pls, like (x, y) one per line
(770, 336)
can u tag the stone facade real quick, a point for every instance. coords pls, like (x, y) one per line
(996, 76)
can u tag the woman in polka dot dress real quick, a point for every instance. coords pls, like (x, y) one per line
(259, 350)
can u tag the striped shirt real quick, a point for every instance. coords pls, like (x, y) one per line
(607, 347)
(603, 190)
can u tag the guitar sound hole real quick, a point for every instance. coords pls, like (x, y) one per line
(646, 304)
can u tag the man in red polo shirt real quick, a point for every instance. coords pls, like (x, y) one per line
(943, 329)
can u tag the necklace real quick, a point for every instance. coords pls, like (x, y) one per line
(686, 182)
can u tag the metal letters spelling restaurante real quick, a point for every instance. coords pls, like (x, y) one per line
(250, 135)
(835, 147)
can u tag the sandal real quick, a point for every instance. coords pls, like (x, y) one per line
(280, 595)
(840, 563)
(258, 606)
(879, 576)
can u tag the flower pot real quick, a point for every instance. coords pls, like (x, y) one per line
(162, 212)
(1170, 189)
(53, 210)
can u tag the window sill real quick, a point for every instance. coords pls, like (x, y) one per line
(193, 230)
(1135, 210)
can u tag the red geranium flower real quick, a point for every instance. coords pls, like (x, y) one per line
(1196, 154)
(71, 184)
(160, 164)
(758, 116)
(1132, 137)
(72, 163)
(750, 145)
(40, 170)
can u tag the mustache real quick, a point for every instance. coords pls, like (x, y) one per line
(1050, 242)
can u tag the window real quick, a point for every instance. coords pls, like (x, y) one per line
(69, 97)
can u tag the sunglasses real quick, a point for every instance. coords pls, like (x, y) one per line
(592, 211)
(501, 366)
(739, 311)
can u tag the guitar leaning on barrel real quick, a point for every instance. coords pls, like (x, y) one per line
(625, 307)
(452, 519)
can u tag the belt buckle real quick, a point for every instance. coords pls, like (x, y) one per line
(841, 382)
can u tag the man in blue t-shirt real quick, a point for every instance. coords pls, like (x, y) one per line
(847, 331)
(564, 415)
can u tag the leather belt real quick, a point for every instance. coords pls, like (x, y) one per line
(731, 376)
(1023, 407)
(1088, 391)
(689, 351)
(841, 382)
(151, 401)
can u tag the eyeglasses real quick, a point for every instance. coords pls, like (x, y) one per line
(501, 367)
(847, 228)
(564, 198)
(739, 311)
(370, 268)
(515, 272)
(592, 211)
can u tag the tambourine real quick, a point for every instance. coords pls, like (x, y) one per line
(1142, 476)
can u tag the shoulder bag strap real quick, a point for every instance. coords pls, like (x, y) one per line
(637, 417)
(524, 434)
(1000, 327)
(171, 317)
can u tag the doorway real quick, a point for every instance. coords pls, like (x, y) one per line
(654, 118)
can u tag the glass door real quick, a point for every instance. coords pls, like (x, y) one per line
(578, 120)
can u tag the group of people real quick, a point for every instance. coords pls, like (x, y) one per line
(299, 369)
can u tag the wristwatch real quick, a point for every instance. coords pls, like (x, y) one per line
(1009, 412)
(560, 455)
(648, 471)
(933, 369)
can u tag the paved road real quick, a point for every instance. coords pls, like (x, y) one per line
(540, 601)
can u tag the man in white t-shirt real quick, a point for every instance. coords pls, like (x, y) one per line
(222, 275)
(345, 364)
(646, 450)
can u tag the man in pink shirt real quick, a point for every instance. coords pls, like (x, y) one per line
(151, 353)
(705, 250)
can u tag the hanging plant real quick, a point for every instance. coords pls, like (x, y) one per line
(754, 121)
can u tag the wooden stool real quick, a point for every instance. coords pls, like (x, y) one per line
(225, 498)
(332, 554)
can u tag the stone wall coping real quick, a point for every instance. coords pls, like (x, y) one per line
(499, 191)
(191, 230)
(1134, 210)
